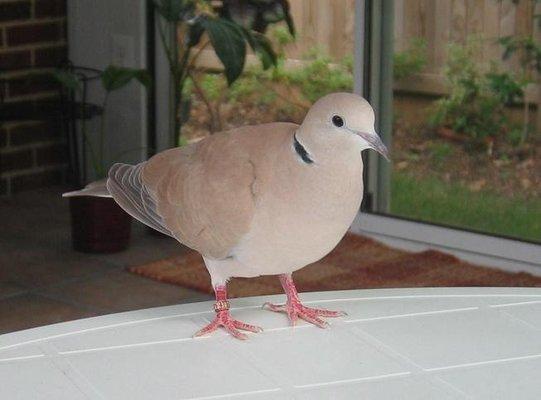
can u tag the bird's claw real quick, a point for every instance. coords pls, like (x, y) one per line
(232, 326)
(296, 310)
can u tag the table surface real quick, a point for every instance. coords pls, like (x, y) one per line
(455, 343)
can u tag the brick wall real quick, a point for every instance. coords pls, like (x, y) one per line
(32, 34)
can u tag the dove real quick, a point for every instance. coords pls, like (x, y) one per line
(258, 200)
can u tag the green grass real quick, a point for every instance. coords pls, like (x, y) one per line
(435, 201)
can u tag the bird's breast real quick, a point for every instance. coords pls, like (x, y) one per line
(304, 215)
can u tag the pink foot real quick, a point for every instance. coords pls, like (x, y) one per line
(295, 310)
(225, 320)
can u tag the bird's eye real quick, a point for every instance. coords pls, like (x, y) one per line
(337, 121)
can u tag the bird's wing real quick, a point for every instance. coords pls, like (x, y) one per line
(204, 193)
(126, 186)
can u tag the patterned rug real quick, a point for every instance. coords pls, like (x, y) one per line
(356, 263)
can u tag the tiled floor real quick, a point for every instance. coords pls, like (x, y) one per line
(43, 281)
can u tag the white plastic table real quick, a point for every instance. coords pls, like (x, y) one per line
(481, 343)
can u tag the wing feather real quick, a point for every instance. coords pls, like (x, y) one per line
(125, 185)
(203, 193)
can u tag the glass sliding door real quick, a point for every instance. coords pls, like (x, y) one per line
(464, 131)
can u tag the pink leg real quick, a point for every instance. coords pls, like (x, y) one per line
(223, 318)
(295, 310)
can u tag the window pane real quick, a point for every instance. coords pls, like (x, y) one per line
(317, 60)
(466, 140)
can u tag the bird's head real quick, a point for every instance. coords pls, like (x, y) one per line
(342, 120)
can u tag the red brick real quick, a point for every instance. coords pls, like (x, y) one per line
(34, 33)
(3, 137)
(36, 180)
(15, 59)
(40, 132)
(51, 56)
(12, 11)
(16, 160)
(64, 29)
(4, 187)
(50, 8)
(52, 155)
(32, 84)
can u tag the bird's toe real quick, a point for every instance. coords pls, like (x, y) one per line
(233, 331)
(207, 329)
(232, 326)
(274, 307)
(313, 319)
(296, 310)
(328, 313)
(247, 327)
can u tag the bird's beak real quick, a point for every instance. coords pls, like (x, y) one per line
(375, 143)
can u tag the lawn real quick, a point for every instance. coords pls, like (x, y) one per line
(431, 200)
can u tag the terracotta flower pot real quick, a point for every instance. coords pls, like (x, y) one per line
(98, 225)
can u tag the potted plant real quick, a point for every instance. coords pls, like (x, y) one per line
(229, 27)
(98, 224)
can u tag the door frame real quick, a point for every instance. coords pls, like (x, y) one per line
(163, 96)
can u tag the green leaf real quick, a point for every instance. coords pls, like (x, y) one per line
(257, 15)
(229, 44)
(262, 46)
(289, 22)
(68, 79)
(173, 10)
(195, 31)
(114, 78)
(143, 77)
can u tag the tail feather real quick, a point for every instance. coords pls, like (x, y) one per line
(96, 189)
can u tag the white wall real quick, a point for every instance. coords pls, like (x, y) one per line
(102, 32)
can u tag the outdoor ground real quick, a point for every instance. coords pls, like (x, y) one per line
(43, 281)
(433, 179)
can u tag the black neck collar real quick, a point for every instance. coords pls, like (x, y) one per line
(301, 151)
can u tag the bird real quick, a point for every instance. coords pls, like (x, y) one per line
(257, 200)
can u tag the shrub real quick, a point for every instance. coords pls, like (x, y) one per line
(410, 61)
(440, 152)
(476, 101)
(320, 76)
